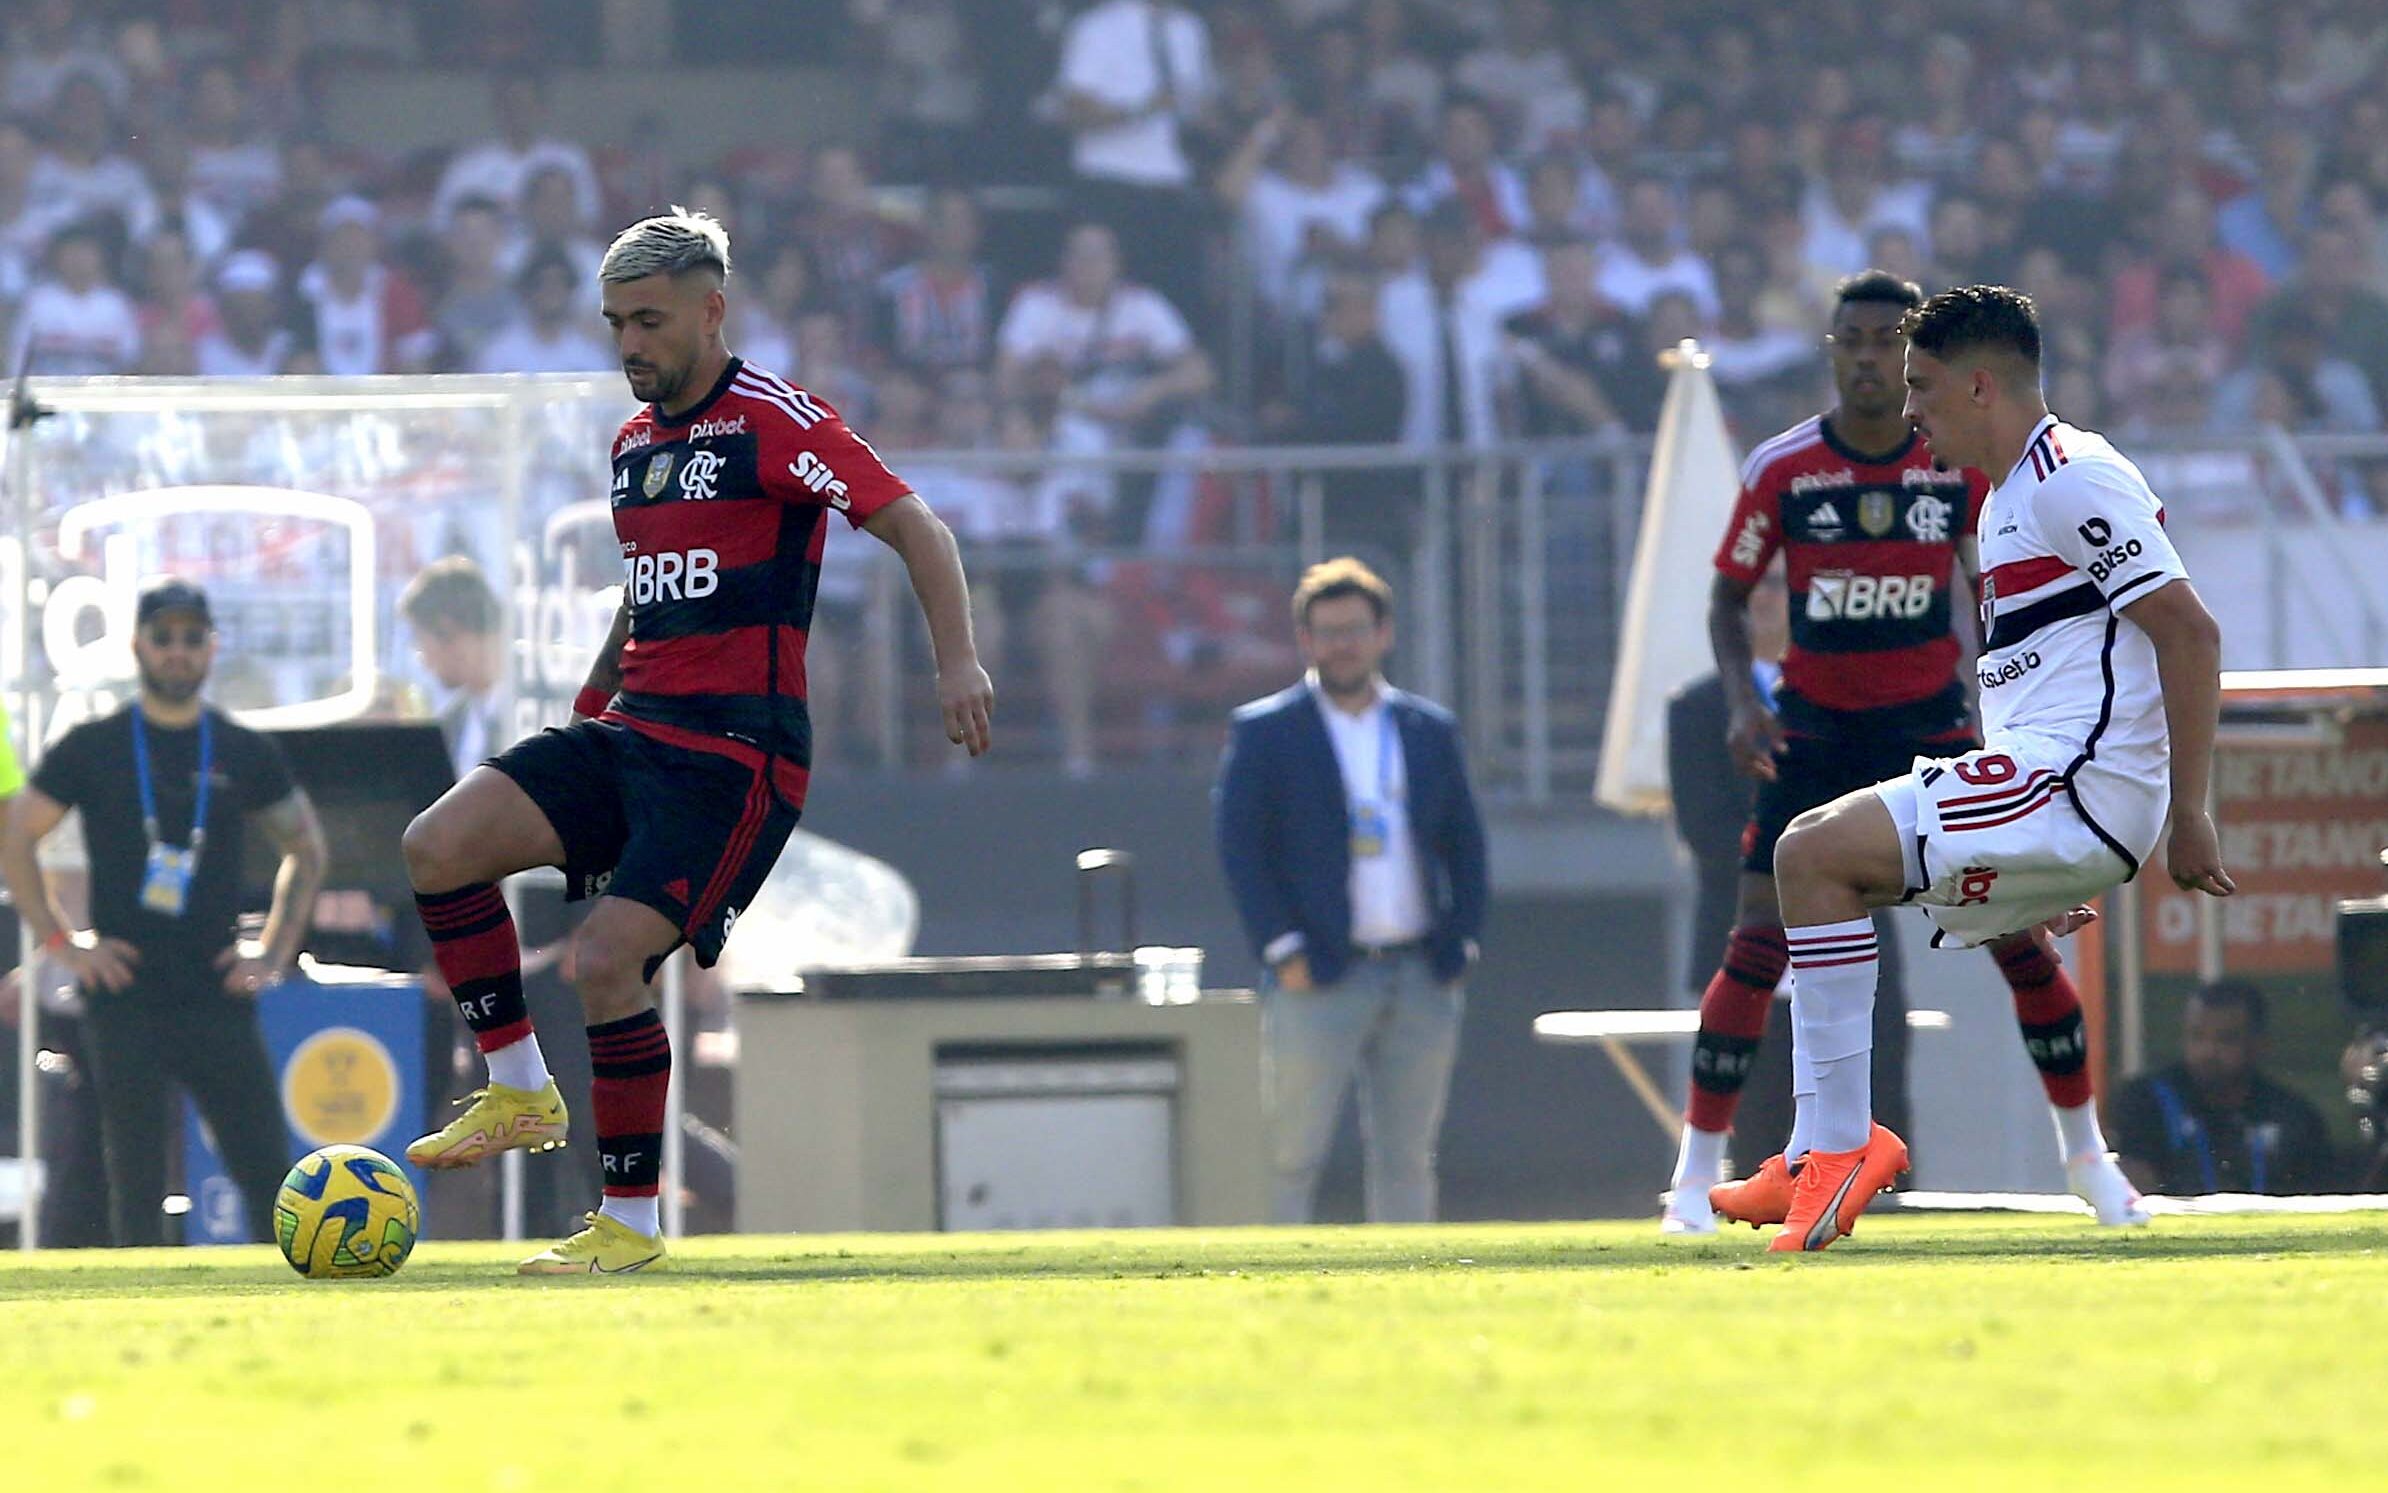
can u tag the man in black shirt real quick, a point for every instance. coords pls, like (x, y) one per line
(1580, 362)
(2211, 1122)
(164, 786)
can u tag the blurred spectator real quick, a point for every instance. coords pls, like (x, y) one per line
(76, 323)
(1300, 208)
(81, 171)
(1645, 260)
(290, 228)
(235, 166)
(500, 169)
(362, 315)
(2165, 377)
(1352, 392)
(762, 328)
(2214, 1121)
(2332, 289)
(1443, 323)
(1135, 79)
(556, 332)
(176, 315)
(459, 631)
(1467, 169)
(1556, 212)
(27, 218)
(1939, 139)
(936, 313)
(1770, 377)
(1564, 354)
(1851, 202)
(2299, 384)
(49, 43)
(2185, 240)
(206, 230)
(852, 243)
(1960, 246)
(2089, 133)
(1393, 247)
(476, 299)
(551, 217)
(929, 89)
(1526, 78)
(252, 339)
(2267, 223)
(830, 371)
(2349, 207)
(1116, 356)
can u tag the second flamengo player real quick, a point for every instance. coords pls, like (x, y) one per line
(1873, 528)
(670, 795)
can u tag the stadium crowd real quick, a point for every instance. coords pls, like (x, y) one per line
(1074, 228)
(2194, 192)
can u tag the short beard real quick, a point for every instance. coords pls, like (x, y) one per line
(169, 691)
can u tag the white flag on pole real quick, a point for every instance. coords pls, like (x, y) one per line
(1694, 475)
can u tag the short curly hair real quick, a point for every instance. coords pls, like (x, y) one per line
(1973, 318)
(1339, 577)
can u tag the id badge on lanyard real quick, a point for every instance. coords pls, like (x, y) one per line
(1372, 819)
(167, 875)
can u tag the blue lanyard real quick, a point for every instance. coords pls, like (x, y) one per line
(149, 803)
(1386, 741)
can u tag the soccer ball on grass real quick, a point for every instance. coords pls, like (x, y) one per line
(346, 1212)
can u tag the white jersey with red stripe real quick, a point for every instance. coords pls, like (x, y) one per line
(2069, 538)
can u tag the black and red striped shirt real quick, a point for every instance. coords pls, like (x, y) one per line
(722, 513)
(1870, 547)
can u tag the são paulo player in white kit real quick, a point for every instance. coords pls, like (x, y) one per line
(2100, 686)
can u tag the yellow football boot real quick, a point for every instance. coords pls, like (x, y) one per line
(495, 1119)
(605, 1247)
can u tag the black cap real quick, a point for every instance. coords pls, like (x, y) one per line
(172, 594)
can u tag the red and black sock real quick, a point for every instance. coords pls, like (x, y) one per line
(473, 942)
(2048, 1009)
(630, 1062)
(1732, 1021)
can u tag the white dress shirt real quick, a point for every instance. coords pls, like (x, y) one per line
(1388, 891)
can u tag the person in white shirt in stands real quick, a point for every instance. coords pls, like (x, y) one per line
(365, 316)
(1301, 207)
(76, 323)
(80, 173)
(253, 340)
(1136, 76)
(1646, 259)
(500, 169)
(555, 333)
(1443, 324)
(1851, 202)
(50, 41)
(1118, 356)
(1467, 167)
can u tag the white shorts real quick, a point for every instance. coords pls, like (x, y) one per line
(1995, 841)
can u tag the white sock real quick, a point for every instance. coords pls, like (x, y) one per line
(1701, 1160)
(2077, 1132)
(645, 1215)
(1803, 1098)
(518, 1065)
(1834, 966)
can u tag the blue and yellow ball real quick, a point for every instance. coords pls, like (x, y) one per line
(345, 1213)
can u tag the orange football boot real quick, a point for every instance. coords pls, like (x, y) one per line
(1834, 1188)
(1759, 1199)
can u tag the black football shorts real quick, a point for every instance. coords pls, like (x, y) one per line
(688, 832)
(1812, 771)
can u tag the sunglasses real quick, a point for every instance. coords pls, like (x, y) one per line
(192, 636)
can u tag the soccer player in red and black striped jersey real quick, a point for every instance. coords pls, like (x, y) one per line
(669, 796)
(1873, 531)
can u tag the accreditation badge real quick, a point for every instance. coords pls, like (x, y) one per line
(166, 881)
(1371, 831)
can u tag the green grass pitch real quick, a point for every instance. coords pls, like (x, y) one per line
(1926, 1353)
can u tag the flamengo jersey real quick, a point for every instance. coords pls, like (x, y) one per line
(2069, 538)
(722, 514)
(1870, 548)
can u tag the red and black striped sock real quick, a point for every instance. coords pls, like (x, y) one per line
(2048, 1009)
(473, 942)
(630, 1062)
(1732, 1020)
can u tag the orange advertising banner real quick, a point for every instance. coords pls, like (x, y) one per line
(2303, 823)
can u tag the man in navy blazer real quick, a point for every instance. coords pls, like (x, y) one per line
(1351, 840)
